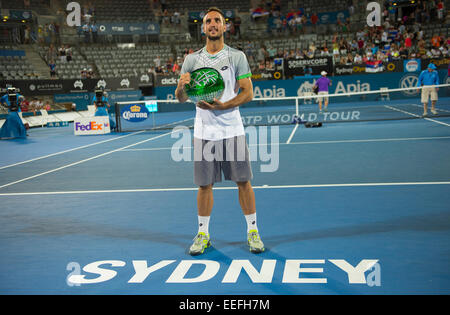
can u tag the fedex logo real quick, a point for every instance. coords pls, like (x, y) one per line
(90, 126)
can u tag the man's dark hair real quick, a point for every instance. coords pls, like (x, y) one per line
(216, 9)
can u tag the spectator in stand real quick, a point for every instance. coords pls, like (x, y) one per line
(157, 62)
(52, 67)
(47, 106)
(440, 10)
(176, 66)
(408, 42)
(94, 31)
(314, 18)
(357, 59)
(68, 53)
(62, 53)
(25, 105)
(435, 40)
(87, 33)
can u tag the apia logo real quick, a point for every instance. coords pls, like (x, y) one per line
(374, 17)
(134, 113)
(268, 93)
(74, 16)
(305, 87)
(350, 88)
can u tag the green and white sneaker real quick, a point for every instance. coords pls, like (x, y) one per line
(254, 242)
(201, 242)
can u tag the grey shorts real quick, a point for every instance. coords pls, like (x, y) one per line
(228, 156)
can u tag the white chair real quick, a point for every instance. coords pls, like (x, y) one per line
(384, 95)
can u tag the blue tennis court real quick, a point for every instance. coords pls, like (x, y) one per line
(349, 208)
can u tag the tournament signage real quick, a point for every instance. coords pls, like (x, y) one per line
(440, 63)
(392, 66)
(267, 75)
(134, 112)
(98, 125)
(196, 15)
(166, 80)
(412, 65)
(49, 87)
(119, 28)
(312, 66)
(331, 17)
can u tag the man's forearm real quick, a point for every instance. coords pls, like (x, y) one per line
(244, 97)
(180, 94)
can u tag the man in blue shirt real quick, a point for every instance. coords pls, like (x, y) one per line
(101, 102)
(427, 79)
(94, 31)
(13, 126)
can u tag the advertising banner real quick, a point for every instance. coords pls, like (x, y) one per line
(98, 125)
(121, 28)
(412, 65)
(440, 63)
(50, 87)
(340, 84)
(392, 66)
(267, 75)
(312, 66)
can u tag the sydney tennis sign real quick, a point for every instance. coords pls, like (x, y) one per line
(294, 271)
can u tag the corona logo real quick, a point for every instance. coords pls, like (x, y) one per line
(135, 109)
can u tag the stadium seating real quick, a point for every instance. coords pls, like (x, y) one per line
(16, 67)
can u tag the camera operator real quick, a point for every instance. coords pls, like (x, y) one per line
(13, 126)
(100, 100)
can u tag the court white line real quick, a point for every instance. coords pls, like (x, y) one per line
(438, 109)
(415, 115)
(292, 134)
(310, 142)
(221, 188)
(85, 160)
(69, 150)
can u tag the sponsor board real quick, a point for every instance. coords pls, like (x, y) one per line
(134, 112)
(412, 65)
(97, 125)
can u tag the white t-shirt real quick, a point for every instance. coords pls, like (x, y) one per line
(232, 64)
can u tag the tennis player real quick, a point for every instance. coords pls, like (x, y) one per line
(323, 83)
(428, 78)
(219, 125)
(13, 126)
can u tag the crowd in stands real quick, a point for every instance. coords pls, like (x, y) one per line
(34, 105)
(401, 36)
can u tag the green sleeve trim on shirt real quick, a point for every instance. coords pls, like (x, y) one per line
(248, 75)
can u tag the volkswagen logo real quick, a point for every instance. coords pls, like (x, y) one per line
(409, 81)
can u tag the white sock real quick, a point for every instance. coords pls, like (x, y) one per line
(203, 225)
(251, 222)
